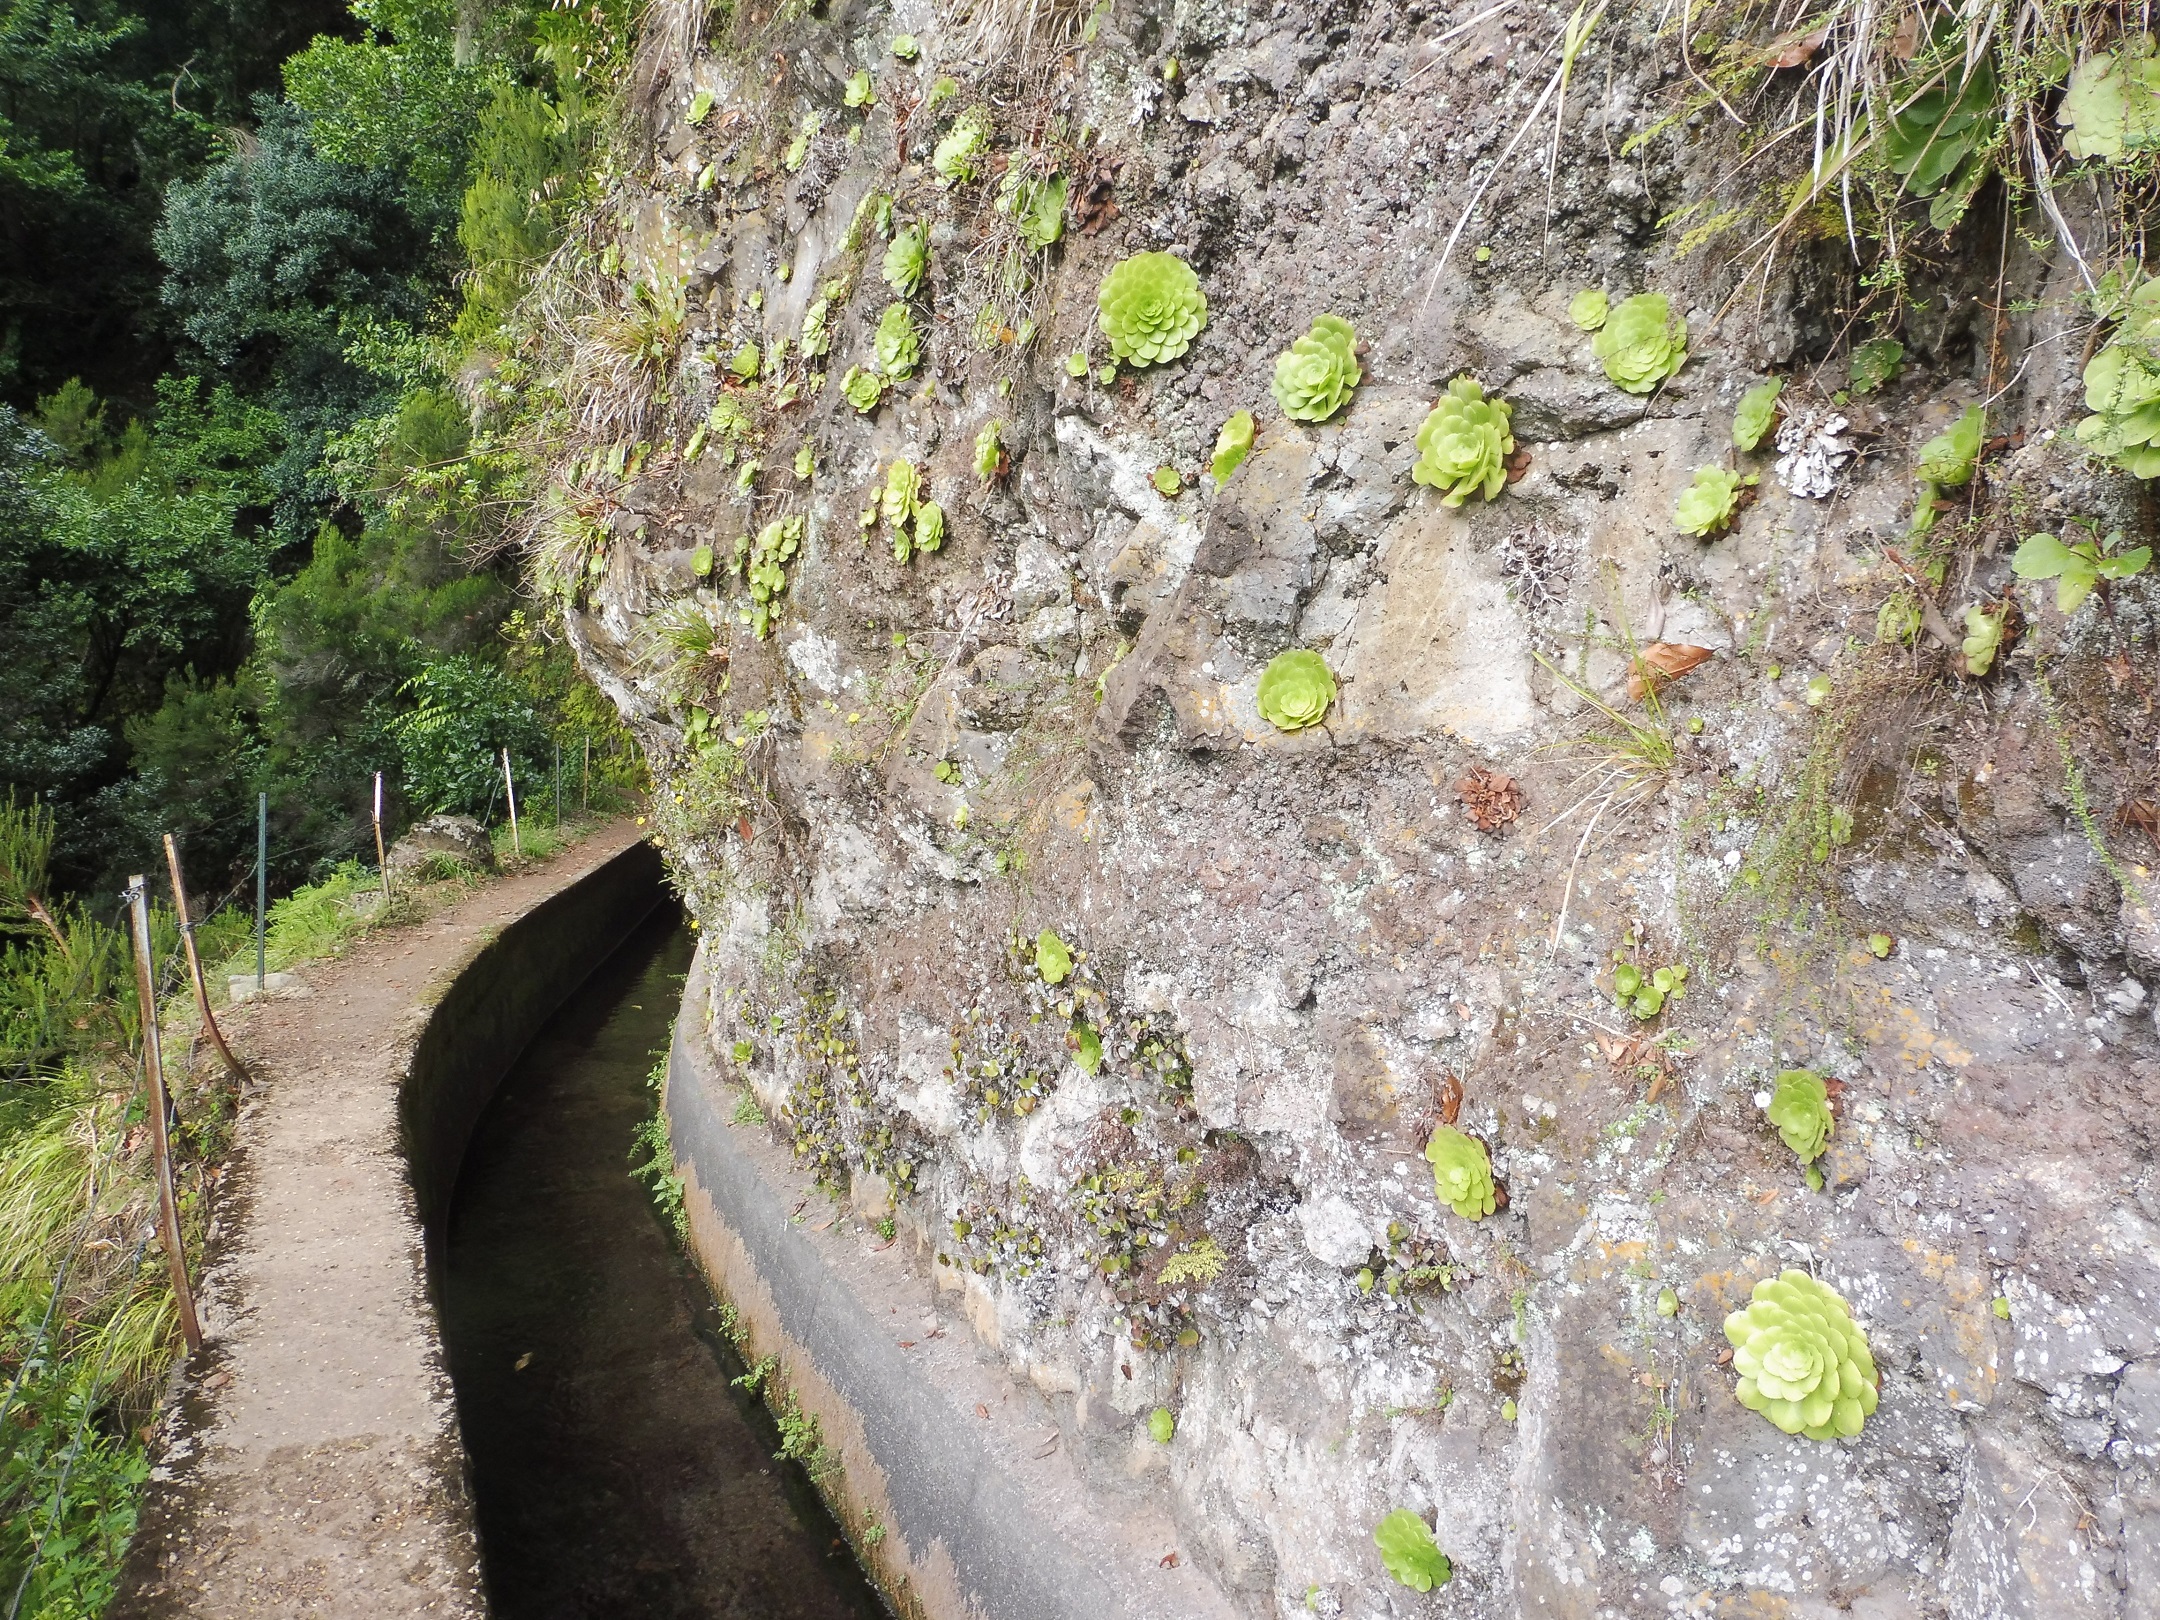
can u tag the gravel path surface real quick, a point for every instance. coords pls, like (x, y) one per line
(313, 1465)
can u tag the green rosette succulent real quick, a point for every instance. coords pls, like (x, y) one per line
(1464, 444)
(1589, 308)
(1803, 1362)
(1756, 413)
(1409, 1552)
(907, 260)
(1800, 1109)
(2122, 389)
(1151, 308)
(2111, 107)
(863, 389)
(1295, 690)
(1461, 1173)
(1313, 378)
(989, 452)
(958, 155)
(1232, 445)
(898, 344)
(1036, 206)
(1708, 503)
(1641, 343)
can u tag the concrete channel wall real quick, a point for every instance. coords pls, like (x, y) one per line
(955, 1480)
(497, 1003)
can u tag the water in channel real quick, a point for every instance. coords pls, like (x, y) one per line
(617, 1472)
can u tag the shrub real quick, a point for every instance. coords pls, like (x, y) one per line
(464, 713)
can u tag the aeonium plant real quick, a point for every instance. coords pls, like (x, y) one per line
(1641, 343)
(1295, 690)
(1314, 376)
(1464, 443)
(1803, 1362)
(1151, 308)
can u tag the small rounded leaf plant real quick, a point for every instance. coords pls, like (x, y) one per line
(1800, 1109)
(1161, 1425)
(1461, 1173)
(1803, 1362)
(1232, 445)
(1464, 444)
(1053, 958)
(1295, 690)
(1707, 505)
(1756, 414)
(1408, 1550)
(1641, 343)
(2077, 566)
(1151, 308)
(1314, 376)
(1589, 308)
(1645, 994)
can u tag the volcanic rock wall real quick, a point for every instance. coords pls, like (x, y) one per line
(1187, 1173)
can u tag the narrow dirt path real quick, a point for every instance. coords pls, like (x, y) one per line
(315, 1467)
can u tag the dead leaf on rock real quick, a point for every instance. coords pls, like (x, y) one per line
(1905, 42)
(1638, 1057)
(1660, 662)
(1492, 798)
(1797, 49)
(1169, 1560)
(2144, 815)
(1517, 464)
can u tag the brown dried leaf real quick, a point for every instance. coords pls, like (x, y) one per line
(1492, 798)
(1660, 662)
(1905, 42)
(1797, 48)
(2144, 815)
(1518, 464)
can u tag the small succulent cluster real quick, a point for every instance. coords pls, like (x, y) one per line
(1462, 1173)
(1232, 445)
(1411, 1264)
(1641, 343)
(1645, 993)
(907, 260)
(1314, 376)
(916, 524)
(1708, 503)
(762, 564)
(1408, 1550)
(863, 388)
(2122, 389)
(989, 453)
(1464, 443)
(1295, 690)
(1756, 414)
(1803, 1362)
(1151, 308)
(1800, 1109)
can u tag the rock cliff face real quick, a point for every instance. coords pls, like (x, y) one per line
(1186, 1172)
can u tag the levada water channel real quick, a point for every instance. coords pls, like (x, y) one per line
(617, 1469)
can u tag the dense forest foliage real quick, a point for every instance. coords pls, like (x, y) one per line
(246, 251)
(258, 265)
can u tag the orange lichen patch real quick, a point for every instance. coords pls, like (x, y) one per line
(1727, 1290)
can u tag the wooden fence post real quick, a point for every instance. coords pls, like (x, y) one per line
(194, 962)
(160, 1138)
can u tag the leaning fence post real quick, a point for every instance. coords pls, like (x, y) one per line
(262, 883)
(160, 1138)
(194, 961)
(382, 861)
(510, 793)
